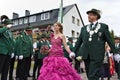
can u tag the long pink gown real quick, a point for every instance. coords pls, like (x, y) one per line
(55, 65)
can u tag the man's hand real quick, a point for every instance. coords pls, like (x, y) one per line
(117, 57)
(12, 55)
(21, 57)
(79, 58)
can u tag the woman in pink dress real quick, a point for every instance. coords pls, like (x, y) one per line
(55, 65)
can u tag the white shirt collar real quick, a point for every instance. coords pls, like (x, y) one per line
(95, 22)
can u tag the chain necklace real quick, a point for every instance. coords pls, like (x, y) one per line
(91, 32)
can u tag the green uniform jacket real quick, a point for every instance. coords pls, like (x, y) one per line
(14, 45)
(95, 49)
(66, 54)
(24, 45)
(6, 41)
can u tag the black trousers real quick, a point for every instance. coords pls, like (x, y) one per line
(21, 71)
(93, 68)
(11, 68)
(77, 65)
(4, 66)
(117, 68)
(28, 60)
(36, 63)
(40, 63)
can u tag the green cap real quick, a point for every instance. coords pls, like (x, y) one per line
(117, 38)
(43, 35)
(7, 21)
(28, 28)
(39, 37)
(96, 12)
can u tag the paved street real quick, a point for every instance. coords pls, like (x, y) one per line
(85, 78)
(83, 75)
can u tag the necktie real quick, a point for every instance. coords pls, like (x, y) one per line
(91, 25)
(116, 45)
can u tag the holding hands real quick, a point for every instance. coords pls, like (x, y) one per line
(79, 58)
(72, 55)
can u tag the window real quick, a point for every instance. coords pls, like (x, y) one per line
(73, 33)
(32, 18)
(42, 16)
(78, 22)
(45, 16)
(15, 22)
(73, 19)
(20, 21)
(25, 20)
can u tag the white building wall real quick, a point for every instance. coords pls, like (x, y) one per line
(68, 26)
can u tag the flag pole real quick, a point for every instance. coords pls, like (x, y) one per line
(60, 14)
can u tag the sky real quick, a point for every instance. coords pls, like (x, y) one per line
(110, 9)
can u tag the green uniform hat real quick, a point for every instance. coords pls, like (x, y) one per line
(117, 38)
(96, 12)
(7, 21)
(43, 36)
(39, 37)
(28, 28)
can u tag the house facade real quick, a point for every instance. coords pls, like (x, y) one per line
(72, 20)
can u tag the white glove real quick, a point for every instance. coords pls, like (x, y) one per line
(12, 55)
(50, 45)
(32, 56)
(79, 58)
(72, 55)
(16, 57)
(9, 26)
(21, 57)
(117, 57)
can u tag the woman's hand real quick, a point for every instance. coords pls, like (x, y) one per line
(72, 55)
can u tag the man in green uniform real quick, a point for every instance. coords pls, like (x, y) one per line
(6, 46)
(92, 42)
(40, 55)
(30, 47)
(23, 51)
(117, 64)
(12, 61)
(70, 45)
(37, 51)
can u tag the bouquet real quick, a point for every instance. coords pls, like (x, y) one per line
(44, 49)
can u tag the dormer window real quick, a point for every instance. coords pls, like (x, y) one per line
(45, 16)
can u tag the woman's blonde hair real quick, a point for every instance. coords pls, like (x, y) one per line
(61, 27)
